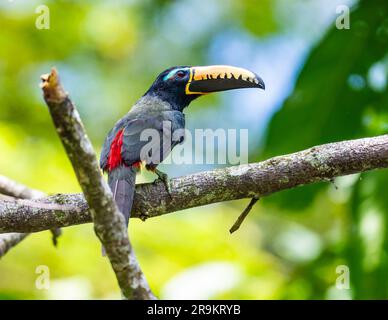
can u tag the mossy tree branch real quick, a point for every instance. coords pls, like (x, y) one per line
(320, 163)
(13, 189)
(109, 223)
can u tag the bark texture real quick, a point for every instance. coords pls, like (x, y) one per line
(17, 190)
(9, 240)
(11, 188)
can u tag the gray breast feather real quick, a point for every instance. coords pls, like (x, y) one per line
(156, 148)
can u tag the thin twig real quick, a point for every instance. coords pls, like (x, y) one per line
(243, 215)
(18, 190)
(9, 240)
(55, 234)
(10, 189)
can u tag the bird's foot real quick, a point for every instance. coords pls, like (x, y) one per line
(164, 178)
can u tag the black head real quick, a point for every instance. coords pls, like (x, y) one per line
(170, 86)
(181, 85)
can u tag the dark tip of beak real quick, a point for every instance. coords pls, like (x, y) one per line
(261, 83)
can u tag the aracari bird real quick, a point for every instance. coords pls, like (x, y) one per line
(173, 90)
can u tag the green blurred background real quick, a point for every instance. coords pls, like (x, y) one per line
(323, 85)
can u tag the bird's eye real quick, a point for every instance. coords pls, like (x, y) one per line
(180, 74)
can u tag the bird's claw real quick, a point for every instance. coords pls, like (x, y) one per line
(166, 181)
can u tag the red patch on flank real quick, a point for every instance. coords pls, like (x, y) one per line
(115, 159)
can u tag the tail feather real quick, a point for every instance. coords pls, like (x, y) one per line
(123, 192)
(122, 185)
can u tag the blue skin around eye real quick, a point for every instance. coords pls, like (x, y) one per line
(172, 72)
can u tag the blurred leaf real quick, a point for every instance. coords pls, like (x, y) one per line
(332, 95)
(257, 16)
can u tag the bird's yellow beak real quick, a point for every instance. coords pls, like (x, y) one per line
(221, 78)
